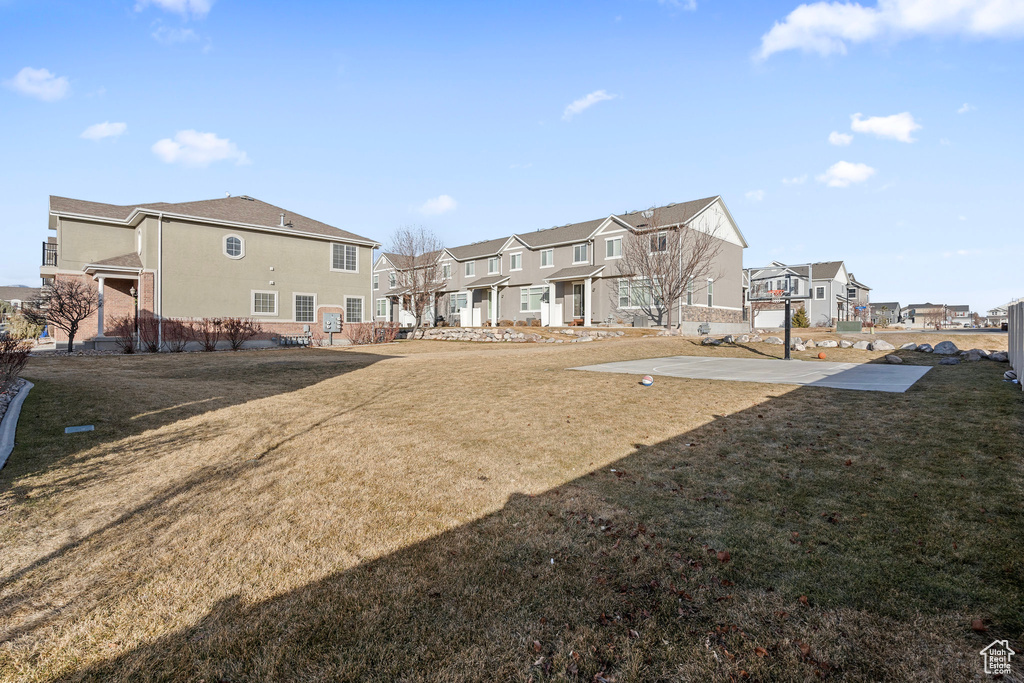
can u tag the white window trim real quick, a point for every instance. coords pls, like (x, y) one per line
(550, 265)
(224, 246)
(610, 239)
(448, 265)
(362, 307)
(392, 279)
(709, 293)
(580, 244)
(377, 312)
(527, 288)
(138, 241)
(252, 302)
(376, 281)
(331, 257)
(658, 235)
(470, 269)
(512, 254)
(295, 308)
(497, 261)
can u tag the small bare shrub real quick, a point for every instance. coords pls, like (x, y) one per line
(372, 333)
(240, 330)
(149, 332)
(504, 323)
(520, 323)
(178, 333)
(122, 329)
(535, 322)
(20, 327)
(208, 332)
(13, 356)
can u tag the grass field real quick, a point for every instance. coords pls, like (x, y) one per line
(449, 511)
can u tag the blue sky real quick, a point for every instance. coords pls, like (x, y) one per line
(461, 117)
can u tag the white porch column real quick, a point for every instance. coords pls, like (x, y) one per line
(551, 306)
(587, 297)
(99, 310)
(494, 306)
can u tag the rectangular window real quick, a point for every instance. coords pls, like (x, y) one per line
(492, 265)
(264, 303)
(623, 293)
(391, 280)
(689, 292)
(851, 293)
(353, 309)
(446, 271)
(382, 308)
(530, 298)
(640, 293)
(659, 242)
(471, 269)
(580, 253)
(711, 292)
(305, 308)
(613, 248)
(457, 302)
(547, 258)
(515, 261)
(376, 281)
(344, 257)
(819, 293)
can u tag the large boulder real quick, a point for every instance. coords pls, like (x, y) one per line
(893, 358)
(829, 343)
(981, 352)
(862, 346)
(949, 360)
(755, 338)
(882, 345)
(946, 348)
(925, 348)
(970, 356)
(796, 340)
(743, 338)
(728, 339)
(810, 344)
(799, 347)
(998, 356)
(909, 346)
(843, 344)
(710, 341)
(773, 340)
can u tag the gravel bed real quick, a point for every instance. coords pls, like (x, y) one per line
(7, 396)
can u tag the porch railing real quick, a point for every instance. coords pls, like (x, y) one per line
(49, 254)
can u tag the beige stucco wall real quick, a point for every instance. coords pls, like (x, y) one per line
(82, 242)
(200, 281)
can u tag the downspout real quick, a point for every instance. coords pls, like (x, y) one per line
(160, 280)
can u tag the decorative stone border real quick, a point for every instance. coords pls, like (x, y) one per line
(10, 423)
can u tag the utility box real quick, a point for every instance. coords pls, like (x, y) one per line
(332, 322)
(639, 321)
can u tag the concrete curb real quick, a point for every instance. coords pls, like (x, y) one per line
(10, 423)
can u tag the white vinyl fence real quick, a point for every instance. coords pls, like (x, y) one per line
(1016, 314)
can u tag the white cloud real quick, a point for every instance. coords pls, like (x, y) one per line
(39, 83)
(171, 36)
(689, 5)
(755, 195)
(966, 108)
(839, 139)
(438, 205)
(98, 131)
(192, 148)
(898, 126)
(195, 8)
(586, 102)
(827, 27)
(844, 173)
(795, 180)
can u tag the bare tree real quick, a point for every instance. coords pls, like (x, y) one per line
(65, 303)
(662, 258)
(416, 253)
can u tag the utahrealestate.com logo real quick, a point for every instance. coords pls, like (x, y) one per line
(997, 657)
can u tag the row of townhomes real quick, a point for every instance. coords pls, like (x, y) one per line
(229, 257)
(929, 315)
(826, 290)
(570, 275)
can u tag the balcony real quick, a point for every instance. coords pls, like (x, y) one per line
(49, 254)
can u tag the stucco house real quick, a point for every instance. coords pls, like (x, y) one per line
(929, 315)
(887, 312)
(833, 293)
(569, 275)
(229, 257)
(17, 296)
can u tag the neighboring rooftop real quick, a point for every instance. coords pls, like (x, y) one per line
(18, 292)
(241, 209)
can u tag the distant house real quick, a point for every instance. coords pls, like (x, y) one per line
(931, 316)
(834, 294)
(229, 257)
(18, 296)
(886, 313)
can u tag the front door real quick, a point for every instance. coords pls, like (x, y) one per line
(577, 300)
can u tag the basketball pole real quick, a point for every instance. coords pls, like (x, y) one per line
(788, 326)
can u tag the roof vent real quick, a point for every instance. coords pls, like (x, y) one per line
(282, 220)
(227, 194)
(648, 213)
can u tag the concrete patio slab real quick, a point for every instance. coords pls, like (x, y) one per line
(856, 376)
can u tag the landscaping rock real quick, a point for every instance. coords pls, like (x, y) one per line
(828, 343)
(862, 346)
(946, 348)
(981, 352)
(925, 348)
(843, 344)
(949, 360)
(998, 356)
(893, 358)
(810, 344)
(799, 347)
(882, 345)
(743, 338)
(909, 346)
(711, 341)
(970, 356)
(773, 340)
(728, 339)
(797, 340)
(755, 338)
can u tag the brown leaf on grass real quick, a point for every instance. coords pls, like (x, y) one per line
(848, 463)
(979, 626)
(782, 615)
(723, 597)
(536, 646)
(805, 649)
(744, 674)
(803, 600)
(724, 556)
(633, 634)
(760, 652)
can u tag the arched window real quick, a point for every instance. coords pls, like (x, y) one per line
(234, 247)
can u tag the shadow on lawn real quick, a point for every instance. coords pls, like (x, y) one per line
(619, 571)
(76, 391)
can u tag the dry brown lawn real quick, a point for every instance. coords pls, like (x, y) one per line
(449, 511)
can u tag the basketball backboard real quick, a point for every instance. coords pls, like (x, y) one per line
(777, 284)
